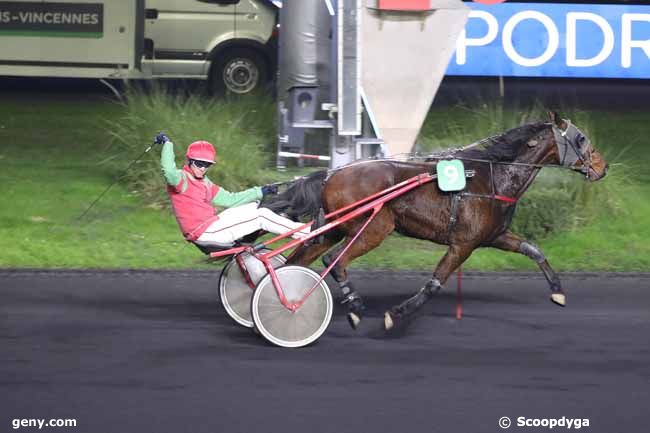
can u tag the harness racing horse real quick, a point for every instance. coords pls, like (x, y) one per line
(478, 216)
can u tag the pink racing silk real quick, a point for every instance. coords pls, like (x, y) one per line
(192, 203)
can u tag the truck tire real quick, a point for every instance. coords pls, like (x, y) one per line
(238, 71)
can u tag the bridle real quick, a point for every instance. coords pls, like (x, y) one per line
(573, 146)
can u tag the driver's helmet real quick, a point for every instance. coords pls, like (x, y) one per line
(202, 151)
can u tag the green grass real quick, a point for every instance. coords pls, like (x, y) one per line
(241, 130)
(51, 170)
(58, 156)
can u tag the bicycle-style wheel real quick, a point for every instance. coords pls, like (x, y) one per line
(283, 327)
(235, 291)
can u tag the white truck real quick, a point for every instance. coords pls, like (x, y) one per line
(230, 43)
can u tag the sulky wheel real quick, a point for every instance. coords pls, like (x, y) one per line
(235, 291)
(280, 325)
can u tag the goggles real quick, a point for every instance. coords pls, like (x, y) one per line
(200, 164)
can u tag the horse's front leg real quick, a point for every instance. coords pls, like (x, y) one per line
(509, 241)
(455, 256)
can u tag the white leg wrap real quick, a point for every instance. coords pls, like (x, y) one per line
(532, 251)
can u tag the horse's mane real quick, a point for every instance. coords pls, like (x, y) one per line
(302, 197)
(502, 147)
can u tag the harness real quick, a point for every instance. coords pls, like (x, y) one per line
(456, 198)
(572, 145)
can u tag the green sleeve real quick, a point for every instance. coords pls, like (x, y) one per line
(230, 199)
(168, 164)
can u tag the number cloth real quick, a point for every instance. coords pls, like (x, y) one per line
(451, 175)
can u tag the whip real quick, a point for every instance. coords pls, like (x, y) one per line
(116, 180)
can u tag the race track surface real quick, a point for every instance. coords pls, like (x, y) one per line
(154, 352)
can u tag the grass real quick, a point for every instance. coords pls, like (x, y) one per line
(58, 156)
(50, 158)
(240, 128)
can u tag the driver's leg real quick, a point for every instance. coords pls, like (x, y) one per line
(237, 222)
(274, 223)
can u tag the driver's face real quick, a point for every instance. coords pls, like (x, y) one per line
(198, 172)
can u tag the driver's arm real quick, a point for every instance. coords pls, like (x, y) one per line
(230, 199)
(168, 163)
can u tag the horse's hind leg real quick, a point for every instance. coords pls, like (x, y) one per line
(351, 298)
(305, 255)
(509, 241)
(455, 256)
(369, 239)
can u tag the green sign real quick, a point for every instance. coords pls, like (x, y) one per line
(451, 175)
(50, 19)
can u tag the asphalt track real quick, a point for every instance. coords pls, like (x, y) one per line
(153, 352)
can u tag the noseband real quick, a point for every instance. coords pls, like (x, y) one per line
(573, 146)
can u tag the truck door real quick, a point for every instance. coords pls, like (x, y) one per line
(183, 33)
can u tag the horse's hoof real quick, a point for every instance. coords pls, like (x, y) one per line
(559, 299)
(354, 320)
(388, 321)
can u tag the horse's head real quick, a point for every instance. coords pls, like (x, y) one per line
(574, 150)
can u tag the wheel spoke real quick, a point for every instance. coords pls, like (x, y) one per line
(292, 329)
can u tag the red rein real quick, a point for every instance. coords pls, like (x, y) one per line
(504, 198)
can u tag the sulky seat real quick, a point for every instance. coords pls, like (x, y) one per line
(213, 247)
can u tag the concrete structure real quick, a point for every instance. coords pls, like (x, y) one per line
(372, 89)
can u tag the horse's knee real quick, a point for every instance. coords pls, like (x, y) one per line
(532, 251)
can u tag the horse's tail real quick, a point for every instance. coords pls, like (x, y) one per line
(302, 199)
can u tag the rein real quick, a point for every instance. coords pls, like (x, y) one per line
(563, 143)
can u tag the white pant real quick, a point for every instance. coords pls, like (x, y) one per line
(237, 222)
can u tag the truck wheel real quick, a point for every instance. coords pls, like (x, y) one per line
(240, 71)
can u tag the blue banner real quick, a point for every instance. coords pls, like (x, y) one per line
(555, 40)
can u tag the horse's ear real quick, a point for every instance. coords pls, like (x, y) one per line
(556, 119)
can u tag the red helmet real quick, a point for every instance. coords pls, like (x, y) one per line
(201, 150)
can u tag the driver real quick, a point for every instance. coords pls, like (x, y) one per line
(194, 198)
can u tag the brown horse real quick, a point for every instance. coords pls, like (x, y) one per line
(478, 216)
